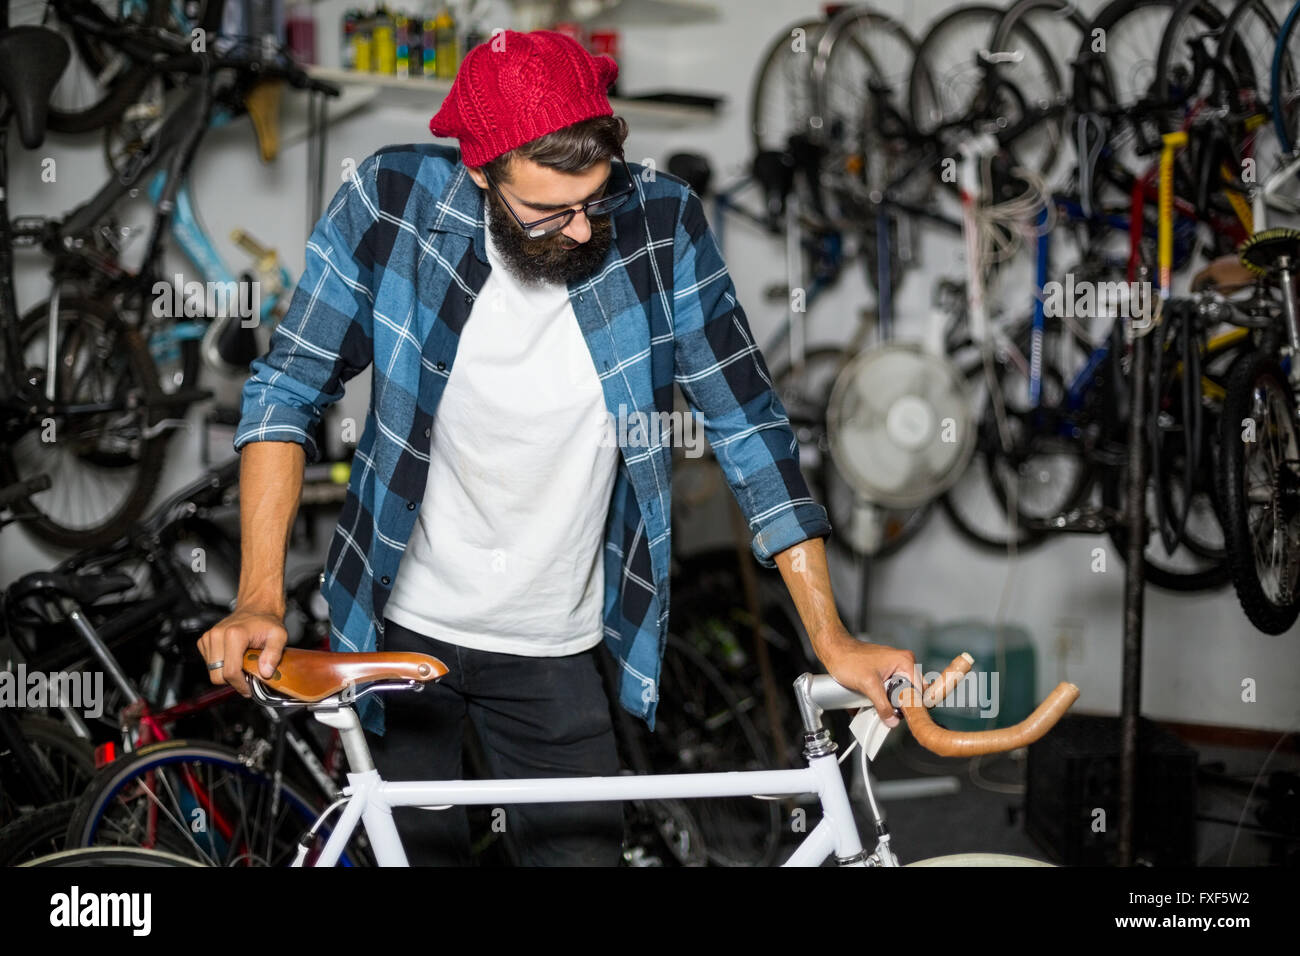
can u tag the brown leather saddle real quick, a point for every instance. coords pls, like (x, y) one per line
(313, 676)
(1226, 274)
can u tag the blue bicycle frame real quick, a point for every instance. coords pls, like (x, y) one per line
(188, 232)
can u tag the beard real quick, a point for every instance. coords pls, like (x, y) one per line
(555, 259)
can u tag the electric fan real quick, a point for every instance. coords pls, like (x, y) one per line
(899, 426)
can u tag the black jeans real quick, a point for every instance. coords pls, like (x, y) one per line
(535, 717)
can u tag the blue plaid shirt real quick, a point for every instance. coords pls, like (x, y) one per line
(393, 269)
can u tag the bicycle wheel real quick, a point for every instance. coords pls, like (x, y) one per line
(1036, 454)
(950, 83)
(112, 856)
(660, 831)
(700, 726)
(781, 98)
(1178, 83)
(861, 55)
(1286, 92)
(859, 79)
(980, 859)
(1116, 75)
(105, 465)
(1197, 559)
(978, 504)
(1258, 479)
(36, 834)
(1059, 25)
(1255, 28)
(100, 80)
(68, 763)
(1187, 568)
(200, 801)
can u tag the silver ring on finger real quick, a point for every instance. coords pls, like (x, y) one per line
(216, 665)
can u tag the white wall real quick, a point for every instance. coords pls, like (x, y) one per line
(1198, 648)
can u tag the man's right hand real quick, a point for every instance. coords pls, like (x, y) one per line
(231, 637)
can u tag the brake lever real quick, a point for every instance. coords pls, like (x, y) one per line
(867, 727)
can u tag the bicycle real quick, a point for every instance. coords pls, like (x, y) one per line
(42, 761)
(163, 603)
(88, 357)
(1259, 470)
(328, 684)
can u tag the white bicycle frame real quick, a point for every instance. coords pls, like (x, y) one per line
(369, 799)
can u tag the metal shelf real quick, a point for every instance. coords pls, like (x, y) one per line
(360, 90)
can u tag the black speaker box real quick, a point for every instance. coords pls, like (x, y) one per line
(1072, 794)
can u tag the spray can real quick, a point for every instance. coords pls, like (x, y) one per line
(402, 40)
(363, 48)
(429, 45)
(348, 51)
(385, 43)
(448, 60)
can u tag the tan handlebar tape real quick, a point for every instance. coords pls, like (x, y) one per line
(947, 682)
(951, 743)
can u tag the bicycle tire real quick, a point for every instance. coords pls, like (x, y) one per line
(36, 834)
(980, 859)
(1039, 445)
(1094, 88)
(214, 543)
(981, 474)
(116, 856)
(120, 93)
(1164, 87)
(922, 84)
(1232, 29)
(1089, 62)
(1020, 10)
(1211, 569)
(1018, 16)
(864, 150)
(1052, 428)
(761, 138)
(1210, 578)
(1270, 613)
(1284, 122)
(87, 826)
(69, 758)
(137, 369)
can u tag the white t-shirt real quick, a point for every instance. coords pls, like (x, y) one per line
(506, 553)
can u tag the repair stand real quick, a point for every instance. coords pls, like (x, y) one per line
(1134, 584)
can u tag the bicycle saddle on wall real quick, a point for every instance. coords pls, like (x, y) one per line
(32, 60)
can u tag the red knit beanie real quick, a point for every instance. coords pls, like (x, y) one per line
(514, 87)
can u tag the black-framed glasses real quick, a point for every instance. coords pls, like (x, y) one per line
(550, 225)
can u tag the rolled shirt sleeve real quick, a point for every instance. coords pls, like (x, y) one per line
(727, 384)
(325, 337)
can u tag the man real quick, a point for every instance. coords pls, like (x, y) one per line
(513, 300)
